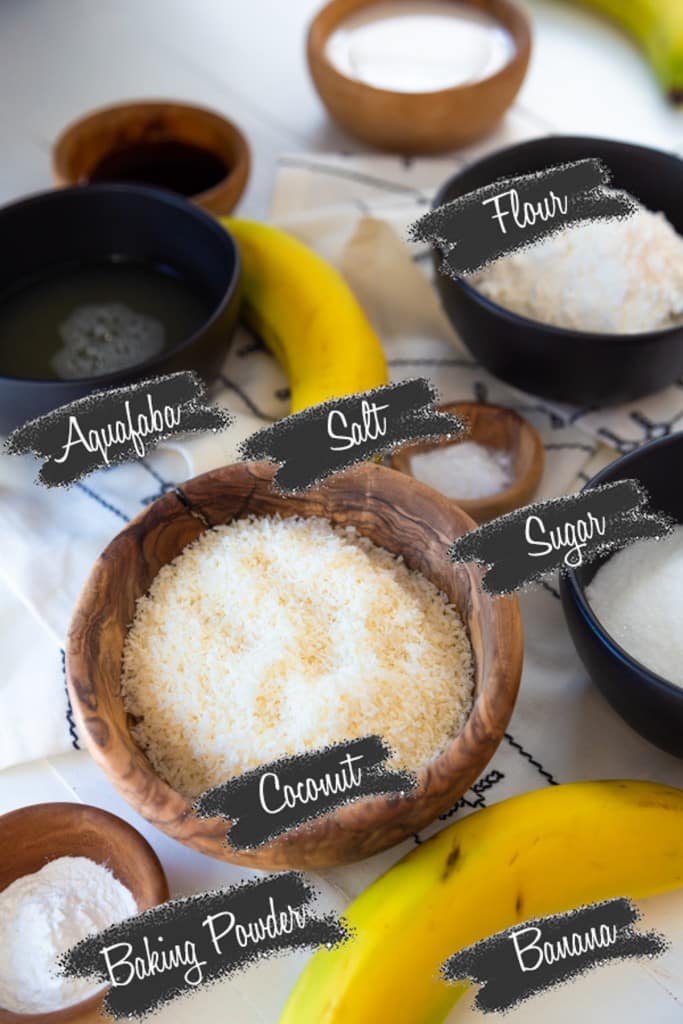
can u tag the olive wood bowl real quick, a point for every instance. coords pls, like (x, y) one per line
(493, 426)
(35, 835)
(396, 512)
(84, 142)
(418, 122)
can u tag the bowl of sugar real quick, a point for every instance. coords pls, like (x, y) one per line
(103, 285)
(624, 610)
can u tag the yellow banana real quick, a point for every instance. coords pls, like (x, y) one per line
(533, 855)
(657, 26)
(307, 316)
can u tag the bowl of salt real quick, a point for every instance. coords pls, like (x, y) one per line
(493, 469)
(624, 610)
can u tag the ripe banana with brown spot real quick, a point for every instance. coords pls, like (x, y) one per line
(533, 855)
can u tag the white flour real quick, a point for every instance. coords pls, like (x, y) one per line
(614, 277)
(44, 914)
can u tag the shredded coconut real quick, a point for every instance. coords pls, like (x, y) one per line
(41, 916)
(611, 277)
(270, 636)
(638, 597)
(463, 470)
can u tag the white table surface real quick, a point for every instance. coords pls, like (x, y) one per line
(61, 57)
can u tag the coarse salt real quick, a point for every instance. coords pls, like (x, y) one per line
(463, 470)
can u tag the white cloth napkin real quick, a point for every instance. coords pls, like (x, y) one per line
(354, 211)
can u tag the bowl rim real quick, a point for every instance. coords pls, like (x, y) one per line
(577, 591)
(496, 704)
(640, 338)
(317, 37)
(143, 850)
(227, 128)
(138, 370)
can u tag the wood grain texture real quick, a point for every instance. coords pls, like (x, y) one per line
(35, 835)
(493, 426)
(395, 512)
(427, 122)
(83, 143)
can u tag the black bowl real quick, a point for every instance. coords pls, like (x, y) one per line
(578, 367)
(95, 223)
(651, 705)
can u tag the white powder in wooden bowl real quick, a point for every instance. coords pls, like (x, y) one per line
(611, 277)
(42, 915)
(271, 636)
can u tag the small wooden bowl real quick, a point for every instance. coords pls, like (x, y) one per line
(396, 512)
(86, 141)
(493, 426)
(35, 835)
(424, 122)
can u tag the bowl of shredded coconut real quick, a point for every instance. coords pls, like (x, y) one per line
(624, 610)
(67, 871)
(230, 626)
(593, 314)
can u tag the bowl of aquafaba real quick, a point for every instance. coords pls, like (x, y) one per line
(624, 609)
(592, 315)
(104, 285)
(229, 626)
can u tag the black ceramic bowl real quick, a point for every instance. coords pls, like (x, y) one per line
(96, 223)
(651, 705)
(565, 365)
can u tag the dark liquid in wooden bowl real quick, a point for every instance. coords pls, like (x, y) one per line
(84, 321)
(178, 166)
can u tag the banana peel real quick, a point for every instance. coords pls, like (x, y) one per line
(657, 27)
(307, 316)
(530, 856)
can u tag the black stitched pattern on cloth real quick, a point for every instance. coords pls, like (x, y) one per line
(71, 725)
(532, 760)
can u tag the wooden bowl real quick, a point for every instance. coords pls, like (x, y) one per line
(35, 835)
(86, 141)
(424, 122)
(397, 513)
(493, 426)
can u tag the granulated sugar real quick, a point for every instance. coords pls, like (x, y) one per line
(638, 597)
(269, 636)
